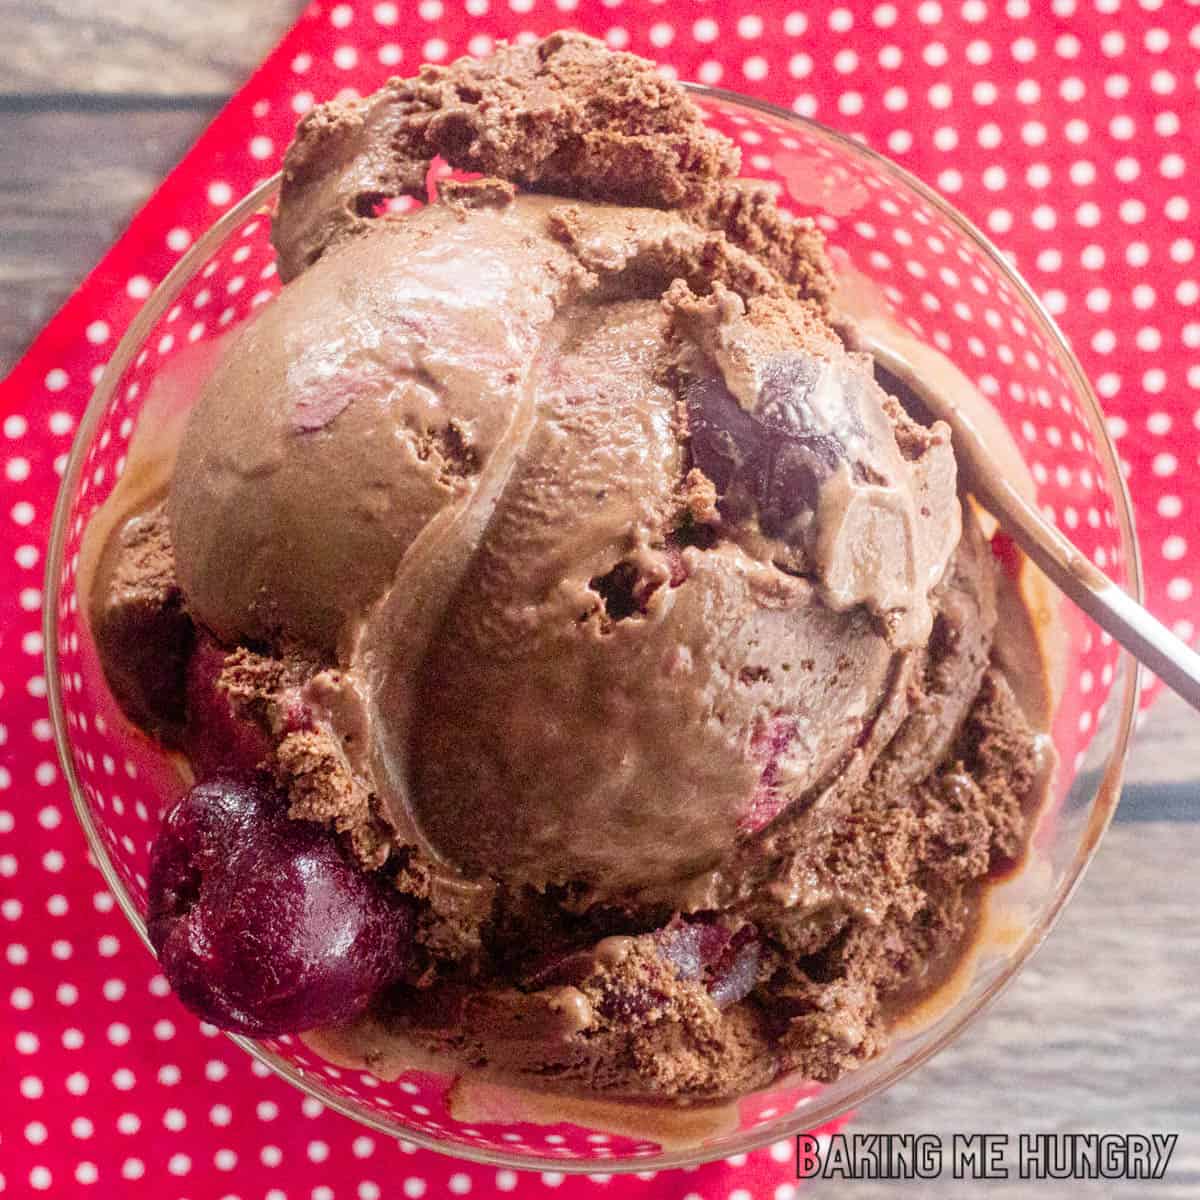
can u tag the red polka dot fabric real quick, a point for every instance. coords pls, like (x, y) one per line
(1060, 128)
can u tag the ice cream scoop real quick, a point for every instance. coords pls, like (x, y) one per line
(587, 663)
(452, 460)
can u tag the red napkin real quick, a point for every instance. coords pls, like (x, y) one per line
(1062, 128)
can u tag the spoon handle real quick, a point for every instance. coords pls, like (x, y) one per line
(994, 477)
(1144, 636)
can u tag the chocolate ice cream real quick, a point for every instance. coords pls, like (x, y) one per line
(547, 551)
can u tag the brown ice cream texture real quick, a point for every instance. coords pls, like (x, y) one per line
(624, 596)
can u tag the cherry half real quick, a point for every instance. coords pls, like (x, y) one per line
(726, 962)
(261, 925)
(775, 458)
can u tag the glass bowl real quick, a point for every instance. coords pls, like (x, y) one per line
(940, 282)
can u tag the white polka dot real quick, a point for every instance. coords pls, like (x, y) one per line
(1171, 166)
(800, 66)
(1156, 40)
(1174, 548)
(756, 68)
(1132, 211)
(1179, 589)
(1177, 208)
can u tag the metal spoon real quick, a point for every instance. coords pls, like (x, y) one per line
(941, 389)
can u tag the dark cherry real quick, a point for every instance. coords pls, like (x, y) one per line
(773, 457)
(767, 745)
(734, 976)
(692, 947)
(261, 926)
(216, 739)
(726, 962)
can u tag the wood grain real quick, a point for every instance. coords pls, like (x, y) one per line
(1167, 746)
(68, 185)
(1097, 1034)
(98, 100)
(136, 48)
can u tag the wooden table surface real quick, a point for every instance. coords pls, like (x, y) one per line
(99, 98)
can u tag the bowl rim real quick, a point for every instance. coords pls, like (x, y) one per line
(795, 1122)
